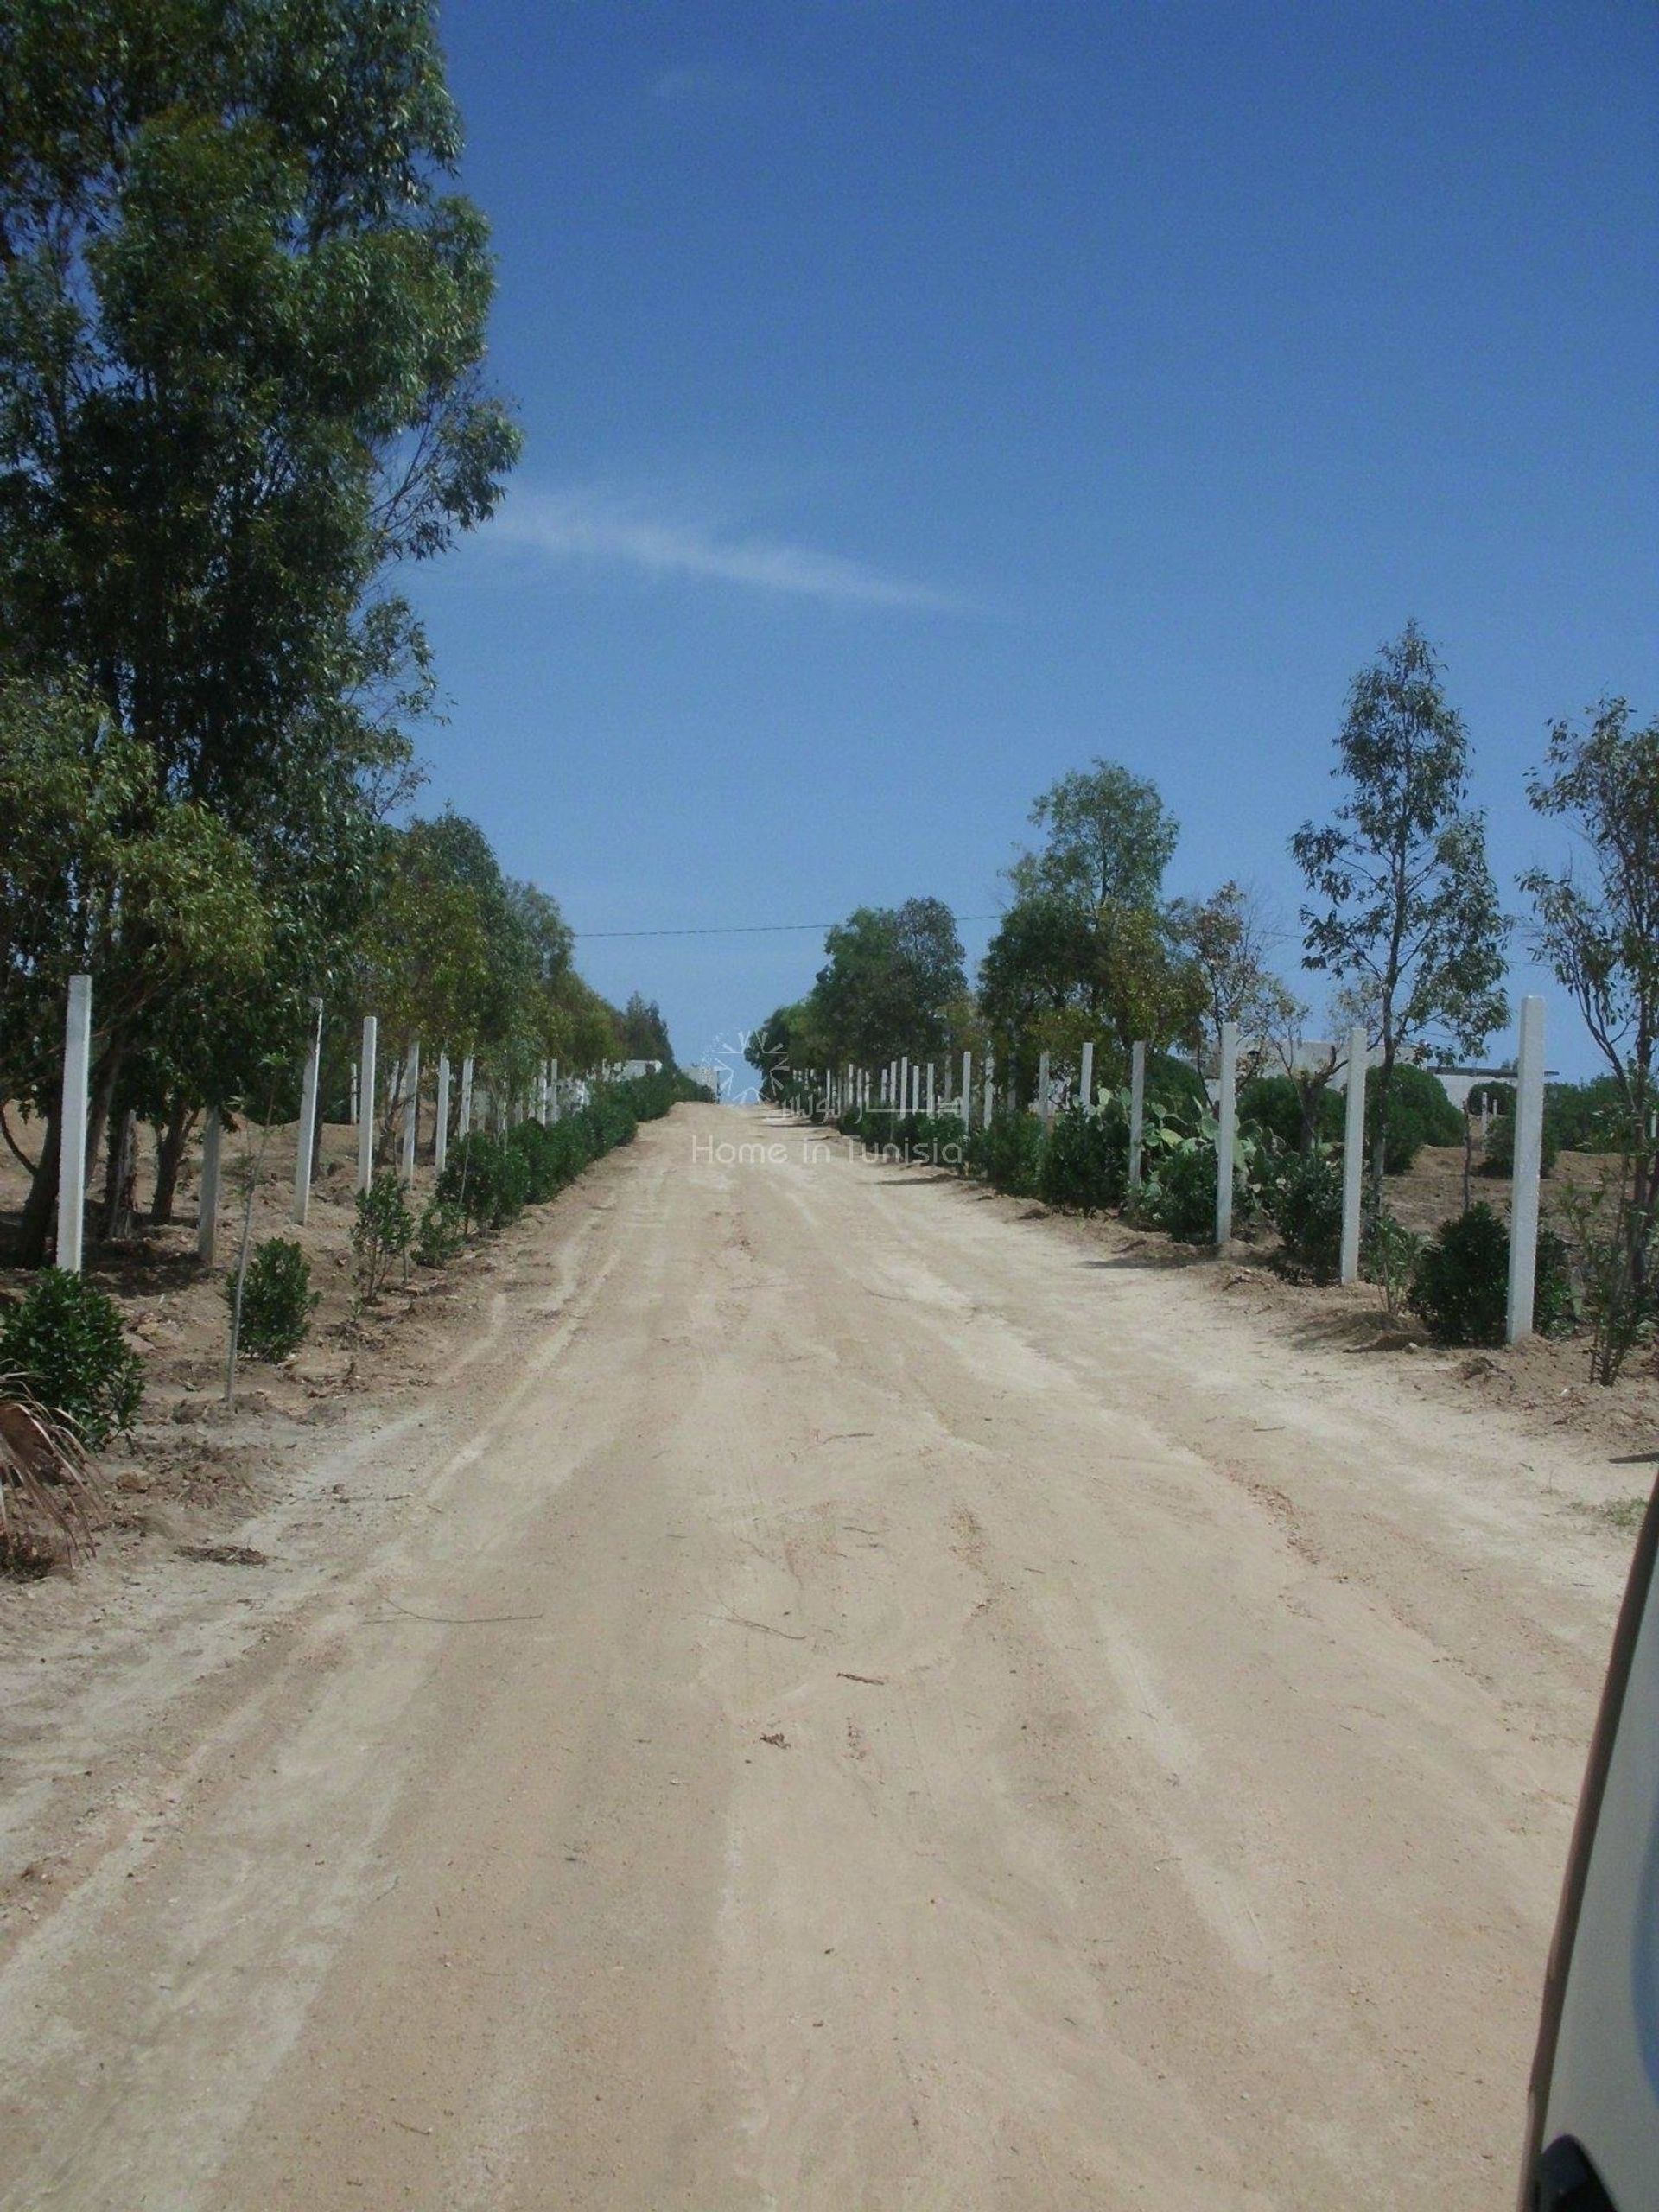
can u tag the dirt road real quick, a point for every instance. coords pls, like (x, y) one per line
(839, 1697)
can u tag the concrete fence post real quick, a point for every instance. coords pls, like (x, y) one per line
(305, 1152)
(464, 1118)
(1042, 1085)
(212, 1140)
(441, 1137)
(967, 1092)
(1353, 1156)
(71, 1122)
(989, 1113)
(930, 1090)
(412, 1110)
(1137, 1115)
(1226, 1134)
(553, 1089)
(1086, 1078)
(903, 1085)
(1528, 1152)
(366, 1104)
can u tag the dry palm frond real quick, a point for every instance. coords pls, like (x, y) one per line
(50, 1496)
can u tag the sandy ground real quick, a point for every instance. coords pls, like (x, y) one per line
(824, 1692)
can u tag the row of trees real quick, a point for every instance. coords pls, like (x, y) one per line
(243, 322)
(1401, 916)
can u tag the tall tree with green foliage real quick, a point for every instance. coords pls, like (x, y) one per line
(1228, 938)
(1110, 838)
(892, 975)
(1403, 907)
(1597, 922)
(644, 1034)
(242, 325)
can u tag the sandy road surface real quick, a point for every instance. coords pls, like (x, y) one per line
(914, 1712)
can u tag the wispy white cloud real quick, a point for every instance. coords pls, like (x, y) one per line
(599, 527)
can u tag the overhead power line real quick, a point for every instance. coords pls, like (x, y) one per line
(747, 929)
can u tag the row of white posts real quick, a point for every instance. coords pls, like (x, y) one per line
(77, 1069)
(902, 1086)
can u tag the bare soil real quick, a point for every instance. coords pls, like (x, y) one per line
(791, 1681)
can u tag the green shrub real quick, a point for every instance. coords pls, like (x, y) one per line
(277, 1300)
(1497, 1157)
(442, 1234)
(1459, 1288)
(1302, 1197)
(1009, 1154)
(1175, 1084)
(1619, 1264)
(383, 1232)
(1592, 1116)
(485, 1178)
(1387, 1255)
(64, 1341)
(1181, 1198)
(1420, 1113)
(1271, 1105)
(1085, 1162)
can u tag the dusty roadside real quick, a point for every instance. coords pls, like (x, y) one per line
(820, 1691)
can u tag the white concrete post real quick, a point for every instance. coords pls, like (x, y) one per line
(1086, 1079)
(1226, 1134)
(1042, 1085)
(990, 1092)
(212, 1137)
(464, 1118)
(441, 1139)
(553, 1087)
(411, 1109)
(307, 1143)
(366, 1104)
(1353, 1156)
(903, 1085)
(71, 1122)
(930, 1090)
(967, 1092)
(1529, 1150)
(1137, 1114)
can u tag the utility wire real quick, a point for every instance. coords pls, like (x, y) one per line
(748, 929)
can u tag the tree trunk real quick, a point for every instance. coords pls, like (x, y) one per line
(169, 1155)
(121, 1179)
(39, 1209)
(1380, 1144)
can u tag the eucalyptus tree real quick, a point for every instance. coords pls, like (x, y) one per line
(1403, 908)
(242, 325)
(1597, 921)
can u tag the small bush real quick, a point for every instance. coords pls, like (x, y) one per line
(441, 1236)
(1271, 1105)
(1619, 1262)
(64, 1342)
(487, 1179)
(1387, 1255)
(381, 1233)
(1085, 1162)
(1181, 1201)
(1009, 1154)
(1498, 1156)
(1302, 1197)
(277, 1300)
(1420, 1113)
(1459, 1288)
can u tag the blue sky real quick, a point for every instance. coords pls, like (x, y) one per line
(921, 398)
